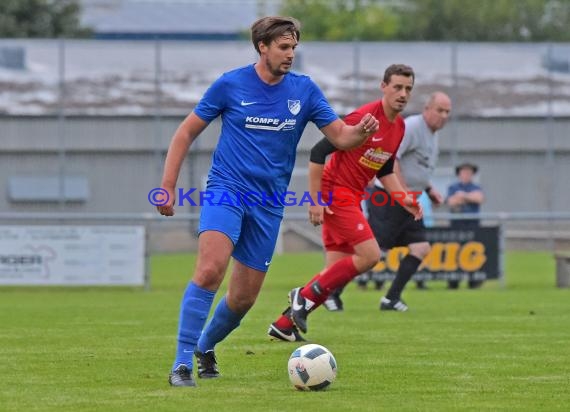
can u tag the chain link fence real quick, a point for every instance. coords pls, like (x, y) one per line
(85, 125)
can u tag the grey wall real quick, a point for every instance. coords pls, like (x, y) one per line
(122, 159)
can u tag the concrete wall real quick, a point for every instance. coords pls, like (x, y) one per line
(121, 157)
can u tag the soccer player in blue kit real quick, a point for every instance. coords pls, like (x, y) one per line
(264, 109)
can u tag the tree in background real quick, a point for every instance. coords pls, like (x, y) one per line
(433, 20)
(485, 20)
(40, 18)
(337, 20)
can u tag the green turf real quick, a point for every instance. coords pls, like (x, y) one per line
(88, 349)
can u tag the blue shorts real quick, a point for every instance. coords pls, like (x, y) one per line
(252, 228)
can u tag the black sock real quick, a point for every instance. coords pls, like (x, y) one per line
(408, 266)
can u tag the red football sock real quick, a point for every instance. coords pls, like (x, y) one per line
(330, 279)
(310, 282)
(284, 322)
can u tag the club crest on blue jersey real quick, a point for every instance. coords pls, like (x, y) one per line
(294, 106)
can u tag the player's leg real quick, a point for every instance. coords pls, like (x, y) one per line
(214, 250)
(244, 286)
(219, 229)
(334, 302)
(408, 266)
(283, 328)
(349, 234)
(386, 223)
(414, 236)
(345, 268)
(252, 254)
(394, 226)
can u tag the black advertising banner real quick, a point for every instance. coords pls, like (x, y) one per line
(455, 254)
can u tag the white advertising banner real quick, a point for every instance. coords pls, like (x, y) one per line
(72, 255)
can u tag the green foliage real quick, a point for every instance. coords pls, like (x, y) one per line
(40, 18)
(486, 20)
(338, 20)
(434, 20)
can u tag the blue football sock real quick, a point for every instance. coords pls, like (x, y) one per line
(222, 323)
(196, 304)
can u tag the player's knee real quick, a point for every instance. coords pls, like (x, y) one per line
(208, 276)
(367, 260)
(420, 250)
(241, 303)
(374, 258)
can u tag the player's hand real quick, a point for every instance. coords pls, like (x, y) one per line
(368, 125)
(317, 214)
(412, 205)
(168, 208)
(435, 196)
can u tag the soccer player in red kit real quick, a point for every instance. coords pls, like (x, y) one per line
(350, 245)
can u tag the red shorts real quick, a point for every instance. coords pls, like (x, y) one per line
(346, 227)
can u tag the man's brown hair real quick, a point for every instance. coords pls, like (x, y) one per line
(398, 70)
(270, 28)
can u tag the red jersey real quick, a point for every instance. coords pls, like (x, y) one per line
(354, 168)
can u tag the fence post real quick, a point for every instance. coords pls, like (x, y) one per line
(147, 255)
(502, 275)
(61, 125)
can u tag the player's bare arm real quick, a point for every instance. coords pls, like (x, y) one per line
(316, 212)
(188, 130)
(317, 161)
(344, 136)
(393, 185)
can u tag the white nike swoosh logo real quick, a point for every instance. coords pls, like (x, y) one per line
(267, 263)
(295, 305)
(247, 103)
(377, 139)
(290, 337)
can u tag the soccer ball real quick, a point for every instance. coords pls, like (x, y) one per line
(312, 367)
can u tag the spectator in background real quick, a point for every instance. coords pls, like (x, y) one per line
(465, 196)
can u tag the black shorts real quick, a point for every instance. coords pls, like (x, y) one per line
(394, 226)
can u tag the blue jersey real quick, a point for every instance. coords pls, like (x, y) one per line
(465, 187)
(261, 127)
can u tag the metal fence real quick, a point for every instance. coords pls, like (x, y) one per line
(87, 123)
(70, 77)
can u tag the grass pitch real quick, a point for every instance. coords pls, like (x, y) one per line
(110, 349)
